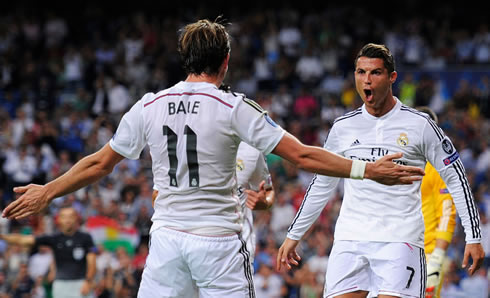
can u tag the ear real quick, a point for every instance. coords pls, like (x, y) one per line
(393, 77)
(226, 60)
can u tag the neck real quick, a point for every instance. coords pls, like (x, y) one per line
(390, 102)
(215, 80)
(69, 232)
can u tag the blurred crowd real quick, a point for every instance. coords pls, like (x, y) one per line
(65, 83)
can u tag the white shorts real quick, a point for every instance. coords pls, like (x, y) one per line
(69, 289)
(180, 264)
(383, 268)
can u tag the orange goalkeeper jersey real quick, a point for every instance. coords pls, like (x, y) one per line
(438, 209)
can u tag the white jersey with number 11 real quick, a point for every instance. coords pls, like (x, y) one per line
(193, 131)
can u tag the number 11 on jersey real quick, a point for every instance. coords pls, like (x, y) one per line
(191, 152)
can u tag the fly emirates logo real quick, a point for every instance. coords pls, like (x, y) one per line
(376, 153)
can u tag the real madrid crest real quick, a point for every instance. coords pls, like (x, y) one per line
(402, 140)
(239, 165)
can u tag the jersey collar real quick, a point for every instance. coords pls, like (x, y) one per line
(196, 85)
(388, 115)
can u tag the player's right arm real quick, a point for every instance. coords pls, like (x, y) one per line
(23, 240)
(35, 197)
(128, 142)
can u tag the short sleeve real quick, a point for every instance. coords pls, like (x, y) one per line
(89, 244)
(253, 125)
(129, 139)
(44, 240)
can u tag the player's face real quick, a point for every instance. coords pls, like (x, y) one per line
(373, 83)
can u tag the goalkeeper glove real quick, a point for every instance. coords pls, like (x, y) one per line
(434, 271)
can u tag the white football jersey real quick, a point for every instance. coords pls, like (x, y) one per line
(374, 212)
(251, 170)
(193, 131)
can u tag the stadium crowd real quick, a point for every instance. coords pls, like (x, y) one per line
(65, 83)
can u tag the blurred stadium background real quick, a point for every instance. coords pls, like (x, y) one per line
(69, 71)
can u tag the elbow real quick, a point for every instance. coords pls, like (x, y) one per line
(101, 167)
(302, 162)
(105, 169)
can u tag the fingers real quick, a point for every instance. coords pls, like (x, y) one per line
(279, 259)
(283, 260)
(9, 209)
(409, 179)
(21, 215)
(465, 259)
(297, 257)
(21, 189)
(16, 210)
(18, 213)
(250, 204)
(476, 265)
(411, 170)
(262, 186)
(392, 156)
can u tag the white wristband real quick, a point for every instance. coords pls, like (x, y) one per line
(357, 169)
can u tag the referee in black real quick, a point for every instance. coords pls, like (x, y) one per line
(74, 254)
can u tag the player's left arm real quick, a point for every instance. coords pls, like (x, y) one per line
(442, 154)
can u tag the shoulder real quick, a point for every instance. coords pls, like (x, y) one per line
(417, 118)
(410, 112)
(45, 239)
(83, 236)
(350, 115)
(149, 98)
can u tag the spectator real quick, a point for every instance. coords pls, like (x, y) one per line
(39, 263)
(268, 284)
(23, 284)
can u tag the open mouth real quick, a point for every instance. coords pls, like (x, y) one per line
(369, 94)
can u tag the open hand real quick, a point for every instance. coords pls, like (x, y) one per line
(287, 254)
(385, 171)
(33, 200)
(476, 252)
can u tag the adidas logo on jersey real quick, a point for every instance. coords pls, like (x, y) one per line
(356, 142)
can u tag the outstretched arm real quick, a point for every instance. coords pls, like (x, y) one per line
(24, 240)
(35, 198)
(321, 161)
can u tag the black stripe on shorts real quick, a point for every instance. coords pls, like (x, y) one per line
(246, 265)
